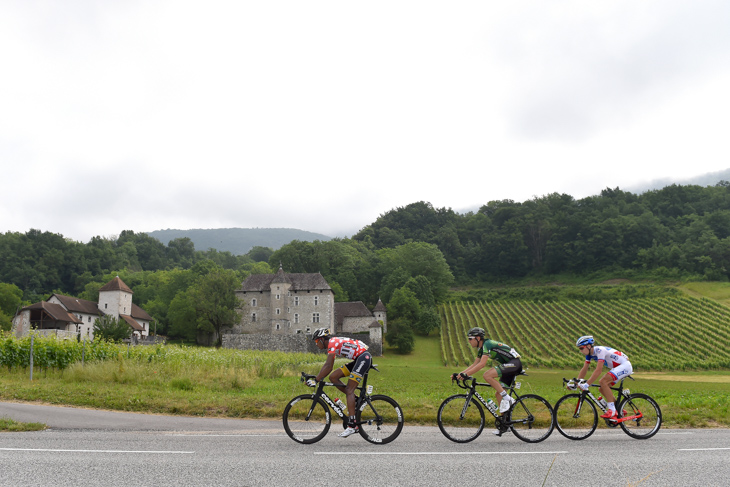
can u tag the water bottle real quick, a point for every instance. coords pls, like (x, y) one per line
(602, 402)
(491, 406)
(340, 404)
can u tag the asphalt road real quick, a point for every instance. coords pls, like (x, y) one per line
(104, 448)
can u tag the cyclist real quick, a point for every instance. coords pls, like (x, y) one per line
(619, 366)
(354, 371)
(509, 365)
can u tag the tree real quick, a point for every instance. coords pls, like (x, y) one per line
(182, 317)
(109, 327)
(400, 336)
(215, 302)
(10, 300)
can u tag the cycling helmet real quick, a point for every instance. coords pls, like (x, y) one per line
(320, 333)
(584, 340)
(476, 332)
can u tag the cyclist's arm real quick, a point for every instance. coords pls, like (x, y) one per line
(594, 376)
(327, 367)
(584, 370)
(478, 364)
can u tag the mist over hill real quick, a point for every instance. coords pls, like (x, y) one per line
(237, 241)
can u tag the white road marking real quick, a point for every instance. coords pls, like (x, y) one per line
(206, 434)
(95, 451)
(701, 449)
(441, 453)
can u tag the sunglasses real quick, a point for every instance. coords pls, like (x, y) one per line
(471, 338)
(584, 346)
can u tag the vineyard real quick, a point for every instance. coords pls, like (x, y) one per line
(667, 333)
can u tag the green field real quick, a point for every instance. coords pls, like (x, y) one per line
(244, 384)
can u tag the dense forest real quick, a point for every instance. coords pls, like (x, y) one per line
(416, 251)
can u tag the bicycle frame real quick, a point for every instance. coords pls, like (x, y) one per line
(365, 391)
(511, 389)
(622, 393)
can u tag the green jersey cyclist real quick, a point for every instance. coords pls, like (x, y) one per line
(507, 368)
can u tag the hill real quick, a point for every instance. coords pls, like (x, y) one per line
(237, 241)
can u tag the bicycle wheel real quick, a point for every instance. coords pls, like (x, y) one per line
(460, 421)
(576, 419)
(645, 413)
(380, 419)
(306, 419)
(531, 418)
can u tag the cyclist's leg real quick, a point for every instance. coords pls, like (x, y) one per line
(360, 367)
(337, 375)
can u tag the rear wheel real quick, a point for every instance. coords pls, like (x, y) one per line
(306, 419)
(646, 417)
(531, 418)
(380, 419)
(460, 421)
(575, 418)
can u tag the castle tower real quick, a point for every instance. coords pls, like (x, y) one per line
(115, 298)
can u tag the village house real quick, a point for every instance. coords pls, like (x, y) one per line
(299, 303)
(69, 317)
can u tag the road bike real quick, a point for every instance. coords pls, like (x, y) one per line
(461, 417)
(307, 417)
(576, 415)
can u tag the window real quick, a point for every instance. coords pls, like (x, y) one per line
(315, 317)
(288, 310)
(106, 305)
(316, 300)
(253, 302)
(278, 311)
(253, 317)
(278, 296)
(278, 326)
(296, 300)
(296, 317)
(89, 319)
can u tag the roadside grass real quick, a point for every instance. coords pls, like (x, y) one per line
(198, 382)
(9, 425)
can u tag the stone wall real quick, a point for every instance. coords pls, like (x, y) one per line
(291, 343)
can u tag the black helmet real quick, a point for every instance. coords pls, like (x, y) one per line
(320, 333)
(476, 332)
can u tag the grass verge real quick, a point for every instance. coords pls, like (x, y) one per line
(418, 381)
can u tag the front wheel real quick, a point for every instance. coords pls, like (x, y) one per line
(645, 417)
(461, 420)
(306, 419)
(575, 417)
(380, 419)
(531, 418)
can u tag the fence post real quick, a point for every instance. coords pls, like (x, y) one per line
(32, 337)
(83, 353)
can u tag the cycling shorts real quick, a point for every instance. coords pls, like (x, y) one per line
(623, 370)
(509, 370)
(357, 369)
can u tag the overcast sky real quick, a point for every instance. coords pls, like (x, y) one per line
(322, 115)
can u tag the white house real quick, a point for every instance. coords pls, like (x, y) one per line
(69, 317)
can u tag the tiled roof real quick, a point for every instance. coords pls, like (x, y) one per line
(116, 284)
(55, 311)
(78, 305)
(132, 322)
(379, 306)
(140, 314)
(349, 310)
(299, 282)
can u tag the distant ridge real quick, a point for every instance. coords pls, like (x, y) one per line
(237, 241)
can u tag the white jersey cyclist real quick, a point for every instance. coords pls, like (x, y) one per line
(616, 361)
